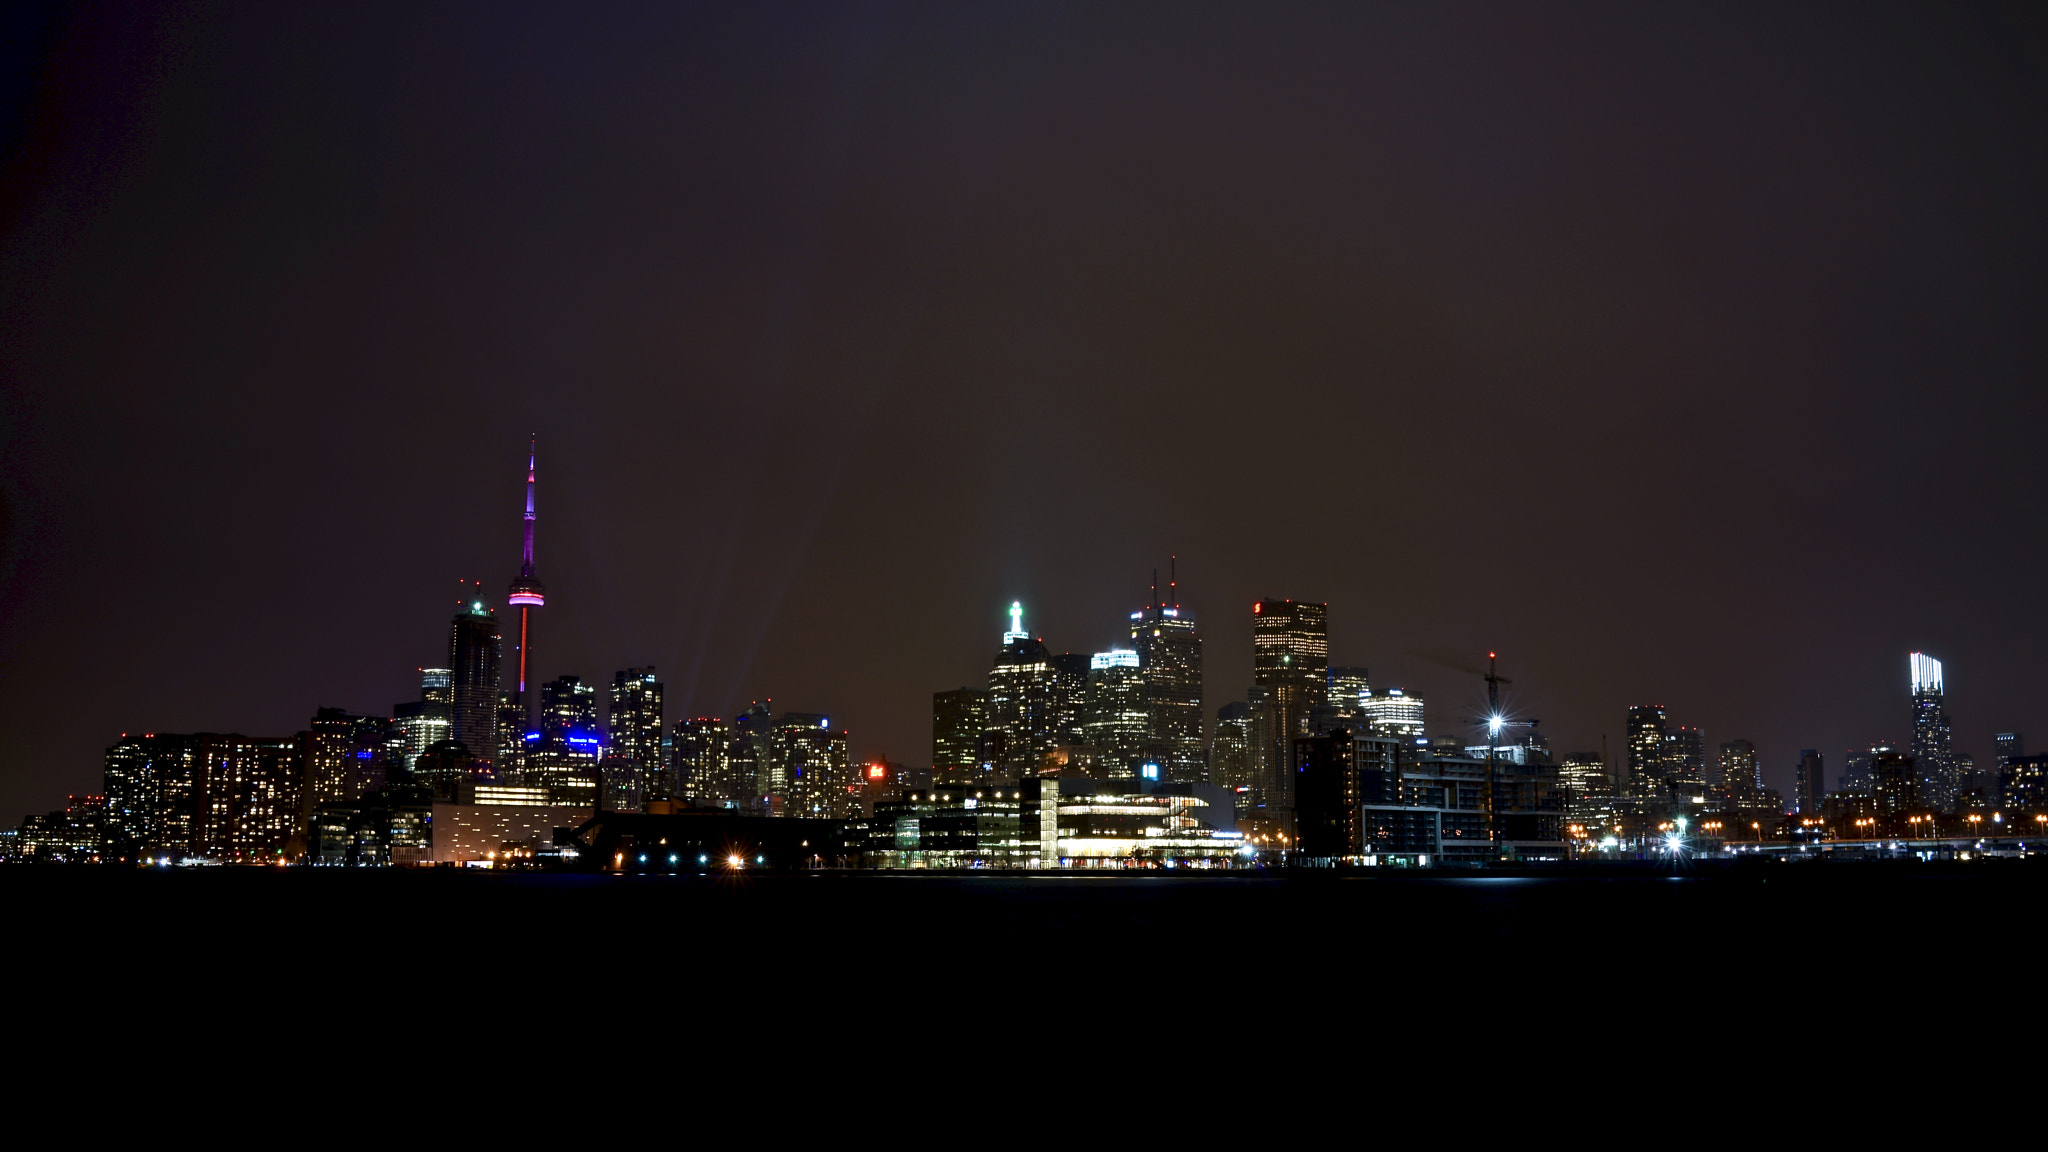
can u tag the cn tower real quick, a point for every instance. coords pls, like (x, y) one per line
(526, 593)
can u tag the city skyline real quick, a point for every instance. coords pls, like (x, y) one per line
(1680, 360)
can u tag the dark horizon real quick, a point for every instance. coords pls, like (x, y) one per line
(1681, 357)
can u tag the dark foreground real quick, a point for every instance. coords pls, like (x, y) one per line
(1706, 933)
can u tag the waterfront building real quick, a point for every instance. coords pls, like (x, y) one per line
(562, 755)
(1738, 774)
(701, 751)
(346, 755)
(817, 779)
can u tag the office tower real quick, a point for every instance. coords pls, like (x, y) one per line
(562, 756)
(1021, 700)
(959, 718)
(418, 725)
(1646, 751)
(1738, 773)
(2022, 787)
(1069, 696)
(1229, 760)
(2009, 747)
(1809, 784)
(1291, 659)
(1930, 746)
(1169, 649)
(344, 755)
(701, 757)
(1119, 717)
(1394, 713)
(1685, 760)
(526, 594)
(1326, 801)
(1261, 753)
(817, 780)
(443, 769)
(474, 650)
(1349, 688)
(753, 754)
(1584, 778)
(1894, 785)
(633, 729)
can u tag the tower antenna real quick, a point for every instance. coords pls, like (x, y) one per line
(1173, 579)
(1155, 588)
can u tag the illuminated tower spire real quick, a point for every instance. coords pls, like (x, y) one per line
(1016, 631)
(527, 592)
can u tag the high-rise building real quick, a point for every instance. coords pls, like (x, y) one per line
(1261, 754)
(562, 756)
(209, 795)
(1119, 716)
(753, 753)
(1646, 751)
(2009, 747)
(1069, 696)
(633, 729)
(1583, 775)
(1169, 649)
(1738, 773)
(1809, 782)
(959, 717)
(418, 725)
(1395, 713)
(1894, 785)
(345, 755)
(1229, 759)
(526, 594)
(1022, 701)
(1930, 747)
(474, 652)
(702, 751)
(817, 780)
(1291, 659)
(1349, 688)
(1685, 760)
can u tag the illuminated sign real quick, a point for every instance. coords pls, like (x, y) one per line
(1114, 658)
(877, 772)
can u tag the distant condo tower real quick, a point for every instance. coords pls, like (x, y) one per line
(526, 593)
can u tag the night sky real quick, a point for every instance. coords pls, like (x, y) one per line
(1690, 356)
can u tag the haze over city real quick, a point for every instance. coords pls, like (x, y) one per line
(1685, 357)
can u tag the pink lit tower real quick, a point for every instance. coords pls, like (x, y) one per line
(526, 593)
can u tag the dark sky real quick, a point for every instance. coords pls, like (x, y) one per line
(1687, 356)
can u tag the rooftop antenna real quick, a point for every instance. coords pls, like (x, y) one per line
(1155, 588)
(1173, 579)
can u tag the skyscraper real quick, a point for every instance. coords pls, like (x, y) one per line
(526, 594)
(1685, 760)
(1229, 760)
(1646, 751)
(1169, 652)
(1930, 746)
(703, 762)
(2010, 746)
(633, 729)
(959, 717)
(1021, 700)
(1069, 696)
(474, 652)
(1809, 783)
(562, 756)
(1291, 659)
(1349, 688)
(1119, 716)
(1739, 774)
(424, 722)
(816, 777)
(1394, 712)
